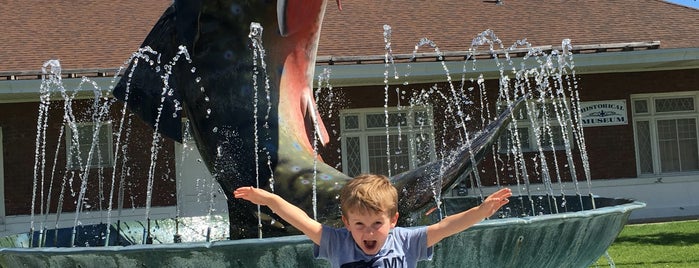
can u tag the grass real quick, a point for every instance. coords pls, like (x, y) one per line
(667, 244)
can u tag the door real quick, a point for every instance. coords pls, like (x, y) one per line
(2, 186)
(197, 191)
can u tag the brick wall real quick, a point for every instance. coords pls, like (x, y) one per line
(19, 123)
(610, 149)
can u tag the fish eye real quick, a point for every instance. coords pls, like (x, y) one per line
(236, 9)
(228, 55)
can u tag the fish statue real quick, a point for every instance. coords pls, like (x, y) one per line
(253, 129)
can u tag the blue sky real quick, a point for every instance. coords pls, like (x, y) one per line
(691, 3)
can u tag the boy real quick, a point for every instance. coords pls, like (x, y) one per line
(370, 213)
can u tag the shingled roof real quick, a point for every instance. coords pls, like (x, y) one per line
(103, 34)
(81, 34)
(452, 25)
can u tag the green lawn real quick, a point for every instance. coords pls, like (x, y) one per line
(667, 244)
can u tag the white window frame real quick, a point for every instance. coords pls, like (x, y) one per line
(411, 130)
(106, 142)
(652, 116)
(525, 124)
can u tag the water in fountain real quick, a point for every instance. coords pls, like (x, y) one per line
(548, 81)
(550, 73)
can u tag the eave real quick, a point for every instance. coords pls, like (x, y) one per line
(24, 86)
(623, 59)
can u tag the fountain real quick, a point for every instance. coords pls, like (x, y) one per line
(572, 229)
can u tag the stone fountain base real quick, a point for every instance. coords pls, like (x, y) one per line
(566, 239)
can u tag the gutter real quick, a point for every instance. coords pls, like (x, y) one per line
(349, 75)
(14, 91)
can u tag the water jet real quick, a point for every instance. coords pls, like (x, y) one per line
(531, 223)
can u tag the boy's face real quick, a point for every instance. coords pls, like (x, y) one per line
(369, 230)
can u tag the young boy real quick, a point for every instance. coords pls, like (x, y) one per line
(370, 212)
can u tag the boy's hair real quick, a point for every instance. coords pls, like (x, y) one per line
(369, 193)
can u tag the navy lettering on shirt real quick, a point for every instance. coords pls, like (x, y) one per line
(394, 262)
(386, 260)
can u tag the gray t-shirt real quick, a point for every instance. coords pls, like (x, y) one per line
(404, 247)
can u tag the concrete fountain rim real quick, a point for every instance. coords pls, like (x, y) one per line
(301, 239)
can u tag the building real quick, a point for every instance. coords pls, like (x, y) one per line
(638, 57)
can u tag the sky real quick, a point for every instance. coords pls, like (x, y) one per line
(690, 3)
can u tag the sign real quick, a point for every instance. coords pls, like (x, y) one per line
(603, 113)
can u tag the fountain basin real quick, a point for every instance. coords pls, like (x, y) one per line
(565, 239)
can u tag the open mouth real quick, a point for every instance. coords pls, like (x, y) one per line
(370, 245)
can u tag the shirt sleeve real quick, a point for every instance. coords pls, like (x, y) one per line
(416, 239)
(324, 250)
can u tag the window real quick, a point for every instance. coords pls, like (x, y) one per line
(370, 136)
(665, 128)
(79, 145)
(542, 123)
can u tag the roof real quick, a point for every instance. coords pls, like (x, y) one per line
(102, 34)
(82, 34)
(452, 25)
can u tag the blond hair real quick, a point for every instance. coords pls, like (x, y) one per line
(369, 193)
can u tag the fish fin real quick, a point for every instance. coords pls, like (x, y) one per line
(144, 84)
(187, 22)
(314, 123)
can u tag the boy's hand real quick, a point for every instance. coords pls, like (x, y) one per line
(465, 219)
(495, 201)
(290, 213)
(255, 195)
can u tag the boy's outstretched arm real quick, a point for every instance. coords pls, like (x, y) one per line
(462, 221)
(290, 213)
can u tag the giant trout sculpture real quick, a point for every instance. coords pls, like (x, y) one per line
(246, 136)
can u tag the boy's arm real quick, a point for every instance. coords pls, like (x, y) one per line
(462, 221)
(290, 213)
